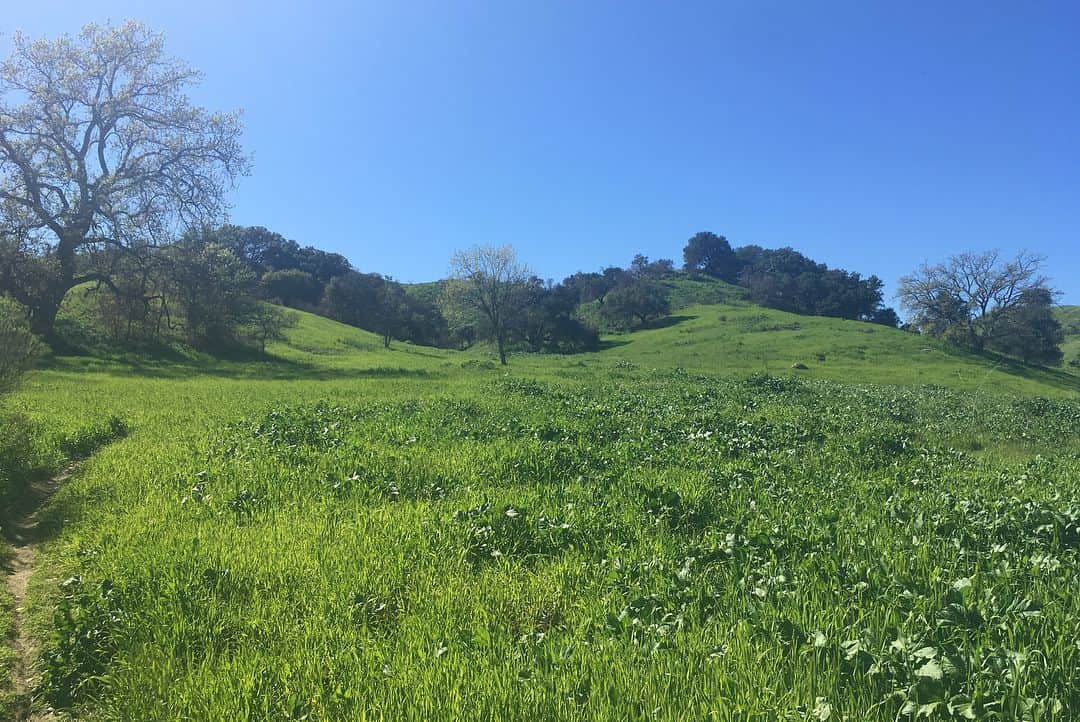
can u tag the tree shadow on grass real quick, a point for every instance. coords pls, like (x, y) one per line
(260, 367)
(665, 322)
(1055, 378)
(1058, 378)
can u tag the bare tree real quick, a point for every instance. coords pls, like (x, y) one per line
(975, 288)
(490, 281)
(102, 157)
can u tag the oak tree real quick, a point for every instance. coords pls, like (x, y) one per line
(102, 157)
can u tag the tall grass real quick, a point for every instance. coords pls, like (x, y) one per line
(361, 534)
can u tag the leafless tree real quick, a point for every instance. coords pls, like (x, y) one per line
(975, 288)
(102, 157)
(490, 281)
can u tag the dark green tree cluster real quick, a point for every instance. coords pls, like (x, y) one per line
(381, 305)
(787, 280)
(287, 272)
(625, 297)
(548, 322)
(635, 304)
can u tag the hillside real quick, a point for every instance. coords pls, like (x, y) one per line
(746, 338)
(713, 339)
(711, 330)
(1069, 318)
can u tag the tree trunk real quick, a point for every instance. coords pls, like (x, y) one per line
(502, 349)
(43, 315)
(47, 304)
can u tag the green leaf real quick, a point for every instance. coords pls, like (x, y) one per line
(927, 710)
(931, 670)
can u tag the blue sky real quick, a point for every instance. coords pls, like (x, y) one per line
(867, 135)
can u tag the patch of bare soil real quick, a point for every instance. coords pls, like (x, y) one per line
(24, 534)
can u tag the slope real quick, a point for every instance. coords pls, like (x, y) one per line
(1069, 318)
(746, 338)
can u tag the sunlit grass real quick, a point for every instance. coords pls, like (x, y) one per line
(345, 532)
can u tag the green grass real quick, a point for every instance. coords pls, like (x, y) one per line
(746, 338)
(1069, 318)
(656, 531)
(685, 291)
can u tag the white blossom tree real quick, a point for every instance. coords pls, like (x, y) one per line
(102, 157)
(489, 283)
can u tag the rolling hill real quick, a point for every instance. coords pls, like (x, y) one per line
(1069, 318)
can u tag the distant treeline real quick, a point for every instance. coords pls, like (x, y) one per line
(206, 288)
(550, 318)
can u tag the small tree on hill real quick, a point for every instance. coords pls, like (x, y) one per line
(712, 255)
(267, 323)
(639, 302)
(492, 283)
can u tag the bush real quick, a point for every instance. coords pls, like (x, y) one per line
(292, 287)
(16, 457)
(18, 347)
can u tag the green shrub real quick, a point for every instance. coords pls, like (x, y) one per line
(16, 455)
(18, 347)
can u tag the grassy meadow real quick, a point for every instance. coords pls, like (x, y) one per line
(678, 527)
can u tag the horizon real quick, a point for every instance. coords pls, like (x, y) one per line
(870, 139)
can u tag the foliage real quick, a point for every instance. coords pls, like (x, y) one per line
(787, 280)
(712, 255)
(264, 252)
(968, 296)
(291, 287)
(635, 304)
(102, 157)
(212, 289)
(381, 305)
(885, 317)
(490, 284)
(642, 267)
(18, 346)
(547, 321)
(267, 323)
(1029, 330)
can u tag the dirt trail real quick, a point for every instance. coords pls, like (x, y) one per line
(23, 534)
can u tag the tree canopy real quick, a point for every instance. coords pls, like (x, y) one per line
(102, 156)
(969, 296)
(489, 281)
(712, 255)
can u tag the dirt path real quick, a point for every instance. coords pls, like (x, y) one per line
(24, 534)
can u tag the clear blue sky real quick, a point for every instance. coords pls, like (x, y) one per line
(868, 135)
